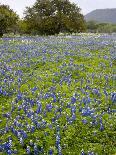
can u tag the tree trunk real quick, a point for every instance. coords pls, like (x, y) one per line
(1, 34)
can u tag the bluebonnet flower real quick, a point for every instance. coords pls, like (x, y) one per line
(101, 127)
(28, 150)
(90, 153)
(95, 91)
(34, 89)
(73, 100)
(5, 147)
(38, 125)
(73, 117)
(84, 121)
(10, 143)
(43, 124)
(32, 128)
(59, 149)
(50, 152)
(111, 64)
(31, 103)
(93, 75)
(6, 115)
(53, 120)
(9, 152)
(21, 141)
(68, 104)
(6, 129)
(57, 128)
(39, 109)
(46, 133)
(19, 96)
(36, 149)
(73, 109)
(42, 150)
(49, 107)
(82, 153)
(113, 97)
(5, 81)
(114, 110)
(24, 134)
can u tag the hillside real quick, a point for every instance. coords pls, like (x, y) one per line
(102, 16)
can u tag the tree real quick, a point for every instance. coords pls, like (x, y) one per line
(22, 27)
(8, 19)
(54, 16)
(92, 26)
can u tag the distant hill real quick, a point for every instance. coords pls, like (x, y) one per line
(102, 16)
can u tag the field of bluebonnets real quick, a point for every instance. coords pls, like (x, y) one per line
(58, 95)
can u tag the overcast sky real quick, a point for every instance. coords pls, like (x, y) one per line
(85, 5)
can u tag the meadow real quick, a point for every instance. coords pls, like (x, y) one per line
(58, 95)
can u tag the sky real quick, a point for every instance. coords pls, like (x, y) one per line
(85, 5)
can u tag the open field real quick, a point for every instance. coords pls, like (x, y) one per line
(58, 95)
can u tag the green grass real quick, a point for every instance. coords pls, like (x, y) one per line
(48, 70)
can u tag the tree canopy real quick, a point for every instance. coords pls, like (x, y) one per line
(93, 26)
(54, 16)
(8, 19)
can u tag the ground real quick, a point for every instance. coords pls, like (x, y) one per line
(57, 95)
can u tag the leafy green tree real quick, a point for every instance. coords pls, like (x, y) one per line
(114, 28)
(54, 16)
(8, 19)
(92, 26)
(22, 27)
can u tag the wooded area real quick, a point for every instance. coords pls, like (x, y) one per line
(49, 17)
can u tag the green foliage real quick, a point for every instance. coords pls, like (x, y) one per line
(45, 63)
(22, 27)
(107, 28)
(91, 25)
(94, 26)
(8, 19)
(54, 16)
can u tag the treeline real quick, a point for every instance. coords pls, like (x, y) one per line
(49, 17)
(45, 17)
(96, 27)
